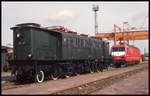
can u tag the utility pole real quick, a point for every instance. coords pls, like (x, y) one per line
(95, 9)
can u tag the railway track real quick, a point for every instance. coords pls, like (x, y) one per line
(82, 84)
(98, 84)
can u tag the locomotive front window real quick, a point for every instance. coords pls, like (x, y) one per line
(118, 49)
(121, 49)
(114, 49)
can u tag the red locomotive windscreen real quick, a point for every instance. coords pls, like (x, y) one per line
(118, 51)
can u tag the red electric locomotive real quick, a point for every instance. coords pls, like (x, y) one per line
(125, 55)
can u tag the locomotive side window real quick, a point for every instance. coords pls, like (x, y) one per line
(84, 43)
(75, 43)
(100, 45)
(72, 41)
(97, 44)
(65, 40)
(93, 44)
(88, 43)
(81, 42)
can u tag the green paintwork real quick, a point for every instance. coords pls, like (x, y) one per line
(52, 45)
(40, 43)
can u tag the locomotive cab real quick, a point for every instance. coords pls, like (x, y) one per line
(118, 52)
(31, 44)
(125, 55)
(22, 42)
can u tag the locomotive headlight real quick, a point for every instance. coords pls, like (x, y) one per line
(18, 35)
(30, 55)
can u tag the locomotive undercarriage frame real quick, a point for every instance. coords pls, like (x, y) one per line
(37, 70)
(119, 63)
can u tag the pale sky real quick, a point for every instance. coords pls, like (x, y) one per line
(76, 16)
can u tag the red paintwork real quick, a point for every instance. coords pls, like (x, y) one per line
(133, 54)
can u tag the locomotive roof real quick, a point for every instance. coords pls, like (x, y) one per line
(50, 30)
(131, 46)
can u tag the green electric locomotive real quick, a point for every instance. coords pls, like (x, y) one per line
(41, 53)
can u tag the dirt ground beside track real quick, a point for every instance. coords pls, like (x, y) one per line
(136, 84)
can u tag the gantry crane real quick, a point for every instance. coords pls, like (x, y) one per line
(124, 35)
